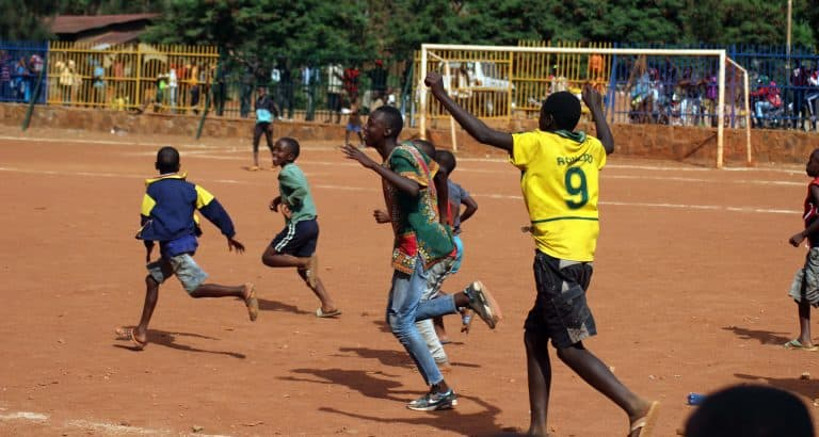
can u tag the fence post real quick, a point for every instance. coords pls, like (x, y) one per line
(35, 96)
(138, 91)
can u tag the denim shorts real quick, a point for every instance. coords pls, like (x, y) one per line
(183, 266)
(805, 286)
(560, 311)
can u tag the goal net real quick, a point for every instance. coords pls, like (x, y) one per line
(703, 90)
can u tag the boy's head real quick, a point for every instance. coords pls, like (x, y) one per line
(446, 160)
(167, 160)
(560, 111)
(425, 146)
(384, 123)
(750, 411)
(285, 151)
(812, 168)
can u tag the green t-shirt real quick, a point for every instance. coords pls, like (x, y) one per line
(295, 193)
(415, 220)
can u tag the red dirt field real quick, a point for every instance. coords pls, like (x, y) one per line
(689, 294)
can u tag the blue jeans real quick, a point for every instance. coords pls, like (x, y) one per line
(404, 308)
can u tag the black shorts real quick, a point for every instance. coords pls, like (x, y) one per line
(560, 311)
(298, 239)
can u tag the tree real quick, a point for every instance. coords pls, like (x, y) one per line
(26, 20)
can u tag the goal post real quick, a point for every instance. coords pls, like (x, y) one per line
(493, 72)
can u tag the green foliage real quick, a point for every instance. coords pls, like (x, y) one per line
(25, 20)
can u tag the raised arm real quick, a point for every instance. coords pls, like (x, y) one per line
(594, 101)
(475, 127)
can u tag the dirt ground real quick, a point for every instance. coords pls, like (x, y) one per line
(689, 294)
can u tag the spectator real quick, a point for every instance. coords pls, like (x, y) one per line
(66, 81)
(173, 87)
(378, 79)
(309, 80)
(812, 94)
(5, 76)
(286, 90)
(334, 88)
(350, 80)
(20, 81)
(248, 83)
(36, 64)
(767, 99)
(799, 82)
(195, 81)
(98, 73)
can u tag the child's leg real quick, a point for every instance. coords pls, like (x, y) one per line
(193, 279)
(360, 137)
(597, 374)
(268, 136)
(151, 297)
(327, 304)
(257, 135)
(347, 136)
(539, 370)
(804, 323)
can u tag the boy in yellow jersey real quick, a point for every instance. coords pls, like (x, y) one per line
(560, 169)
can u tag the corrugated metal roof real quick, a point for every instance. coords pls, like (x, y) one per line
(80, 23)
(107, 39)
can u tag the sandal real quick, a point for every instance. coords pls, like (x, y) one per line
(644, 426)
(252, 302)
(127, 334)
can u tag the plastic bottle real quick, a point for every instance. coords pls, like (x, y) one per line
(695, 398)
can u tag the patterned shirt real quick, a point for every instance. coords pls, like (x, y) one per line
(415, 220)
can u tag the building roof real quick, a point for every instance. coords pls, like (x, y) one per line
(107, 39)
(71, 24)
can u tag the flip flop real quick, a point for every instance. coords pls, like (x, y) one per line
(127, 334)
(322, 315)
(252, 303)
(796, 344)
(644, 426)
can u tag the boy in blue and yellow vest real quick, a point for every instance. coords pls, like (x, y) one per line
(168, 218)
(559, 179)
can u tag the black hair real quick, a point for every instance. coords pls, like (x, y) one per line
(427, 147)
(292, 145)
(167, 160)
(750, 411)
(564, 108)
(446, 160)
(392, 118)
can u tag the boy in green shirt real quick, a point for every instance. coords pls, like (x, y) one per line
(295, 245)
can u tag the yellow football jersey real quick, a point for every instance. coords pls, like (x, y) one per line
(559, 179)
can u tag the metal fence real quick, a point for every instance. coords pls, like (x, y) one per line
(21, 65)
(176, 79)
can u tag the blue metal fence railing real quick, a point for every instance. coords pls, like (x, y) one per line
(673, 90)
(21, 63)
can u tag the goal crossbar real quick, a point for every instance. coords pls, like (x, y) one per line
(427, 51)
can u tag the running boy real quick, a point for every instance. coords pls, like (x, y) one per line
(295, 245)
(266, 111)
(559, 181)
(457, 196)
(168, 217)
(805, 287)
(421, 242)
(354, 123)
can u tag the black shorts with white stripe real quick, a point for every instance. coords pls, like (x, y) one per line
(298, 239)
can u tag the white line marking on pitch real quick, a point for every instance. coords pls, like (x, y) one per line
(24, 415)
(483, 195)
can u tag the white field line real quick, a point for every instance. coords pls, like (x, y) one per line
(103, 427)
(237, 149)
(480, 195)
(24, 415)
